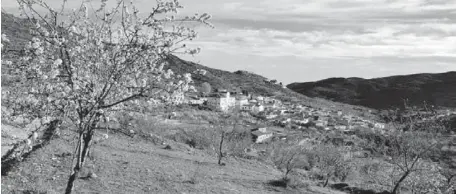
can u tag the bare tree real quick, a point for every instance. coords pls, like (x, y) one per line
(220, 148)
(286, 159)
(415, 138)
(331, 162)
(226, 125)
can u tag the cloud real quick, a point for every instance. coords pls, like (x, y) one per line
(354, 6)
(364, 38)
(404, 40)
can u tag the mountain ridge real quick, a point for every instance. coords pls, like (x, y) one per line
(385, 92)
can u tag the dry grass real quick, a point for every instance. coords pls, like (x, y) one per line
(134, 164)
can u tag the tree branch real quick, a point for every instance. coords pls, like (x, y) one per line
(122, 101)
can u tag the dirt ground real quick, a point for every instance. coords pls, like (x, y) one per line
(125, 164)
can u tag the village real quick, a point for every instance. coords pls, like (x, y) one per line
(280, 115)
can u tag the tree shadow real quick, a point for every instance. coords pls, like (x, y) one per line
(354, 190)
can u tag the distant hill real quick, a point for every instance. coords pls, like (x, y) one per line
(383, 93)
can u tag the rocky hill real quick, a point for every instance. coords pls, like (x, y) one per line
(382, 93)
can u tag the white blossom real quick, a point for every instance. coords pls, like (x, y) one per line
(36, 45)
(5, 38)
(58, 62)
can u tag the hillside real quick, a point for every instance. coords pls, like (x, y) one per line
(256, 84)
(382, 93)
(227, 80)
(17, 30)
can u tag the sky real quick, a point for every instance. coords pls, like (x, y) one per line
(309, 40)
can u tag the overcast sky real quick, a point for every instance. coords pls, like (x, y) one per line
(307, 40)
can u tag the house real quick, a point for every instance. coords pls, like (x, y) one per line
(340, 127)
(261, 134)
(379, 125)
(321, 123)
(200, 71)
(264, 134)
(267, 99)
(260, 98)
(221, 101)
(241, 101)
(302, 122)
(221, 90)
(246, 107)
(271, 116)
(257, 108)
(339, 113)
(196, 101)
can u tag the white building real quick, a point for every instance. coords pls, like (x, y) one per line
(340, 127)
(263, 134)
(271, 116)
(241, 101)
(379, 125)
(260, 98)
(221, 101)
(257, 108)
(200, 72)
(264, 137)
(303, 121)
(321, 123)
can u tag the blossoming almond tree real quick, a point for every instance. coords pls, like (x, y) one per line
(83, 64)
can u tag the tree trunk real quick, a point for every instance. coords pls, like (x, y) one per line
(88, 138)
(398, 184)
(285, 177)
(83, 147)
(220, 155)
(326, 181)
(86, 146)
(77, 166)
(71, 180)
